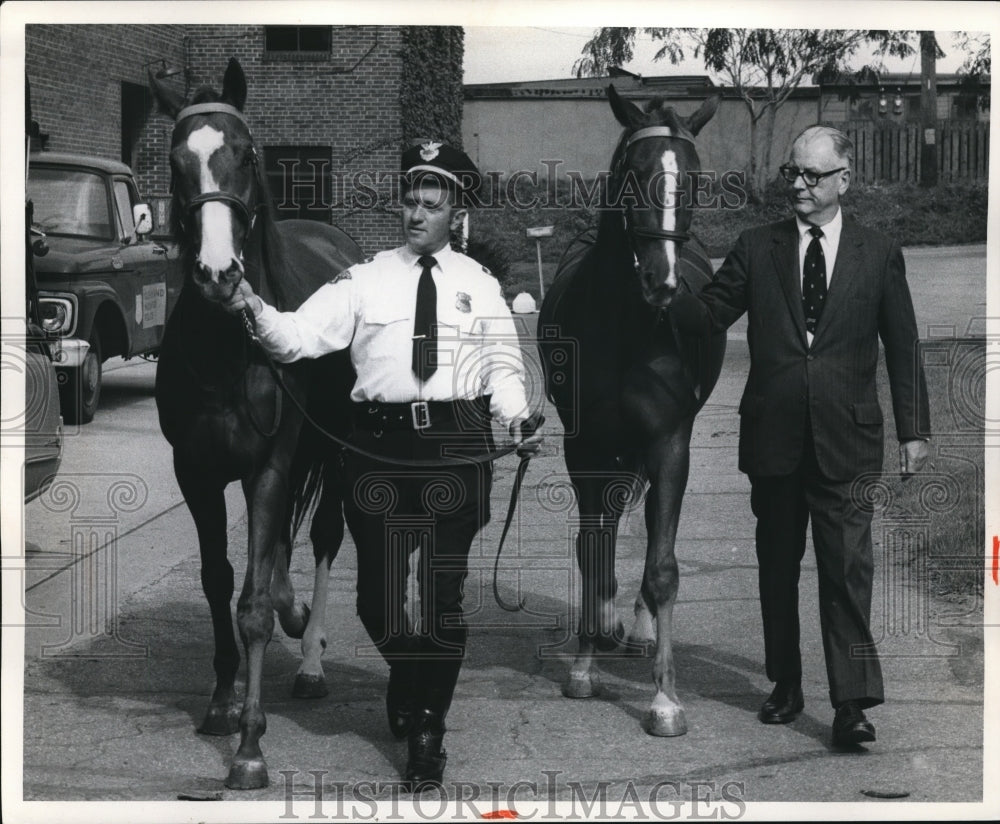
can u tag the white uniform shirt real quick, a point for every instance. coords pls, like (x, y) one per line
(370, 308)
(830, 243)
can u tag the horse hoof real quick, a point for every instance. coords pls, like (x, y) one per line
(309, 686)
(666, 722)
(584, 687)
(220, 721)
(247, 775)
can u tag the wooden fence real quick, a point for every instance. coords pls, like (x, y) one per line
(891, 152)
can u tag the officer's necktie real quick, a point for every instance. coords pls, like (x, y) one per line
(424, 361)
(814, 280)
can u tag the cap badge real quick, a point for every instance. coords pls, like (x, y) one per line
(430, 150)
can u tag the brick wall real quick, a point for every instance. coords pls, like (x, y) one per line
(76, 74)
(349, 101)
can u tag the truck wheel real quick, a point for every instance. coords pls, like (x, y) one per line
(80, 391)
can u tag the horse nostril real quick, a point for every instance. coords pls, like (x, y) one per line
(202, 273)
(233, 273)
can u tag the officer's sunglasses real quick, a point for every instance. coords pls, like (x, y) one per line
(809, 177)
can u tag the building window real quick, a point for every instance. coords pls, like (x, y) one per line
(136, 104)
(298, 178)
(297, 42)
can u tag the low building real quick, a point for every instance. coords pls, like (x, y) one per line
(566, 125)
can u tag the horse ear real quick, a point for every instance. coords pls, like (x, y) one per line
(169, 101)
(234, 84)
(704, 114)
(626, 112)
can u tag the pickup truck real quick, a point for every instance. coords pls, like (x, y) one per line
(106, 283)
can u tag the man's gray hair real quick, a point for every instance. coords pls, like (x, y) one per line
(842, 144)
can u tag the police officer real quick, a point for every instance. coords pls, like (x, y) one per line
(436, 355)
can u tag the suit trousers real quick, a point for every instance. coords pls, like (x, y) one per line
(393, 512)
(841, 528)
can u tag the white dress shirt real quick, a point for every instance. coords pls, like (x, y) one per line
(830, 242)
(370, 308)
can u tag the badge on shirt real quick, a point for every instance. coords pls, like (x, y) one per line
(429, 150)
(463, 302)
(345, 275)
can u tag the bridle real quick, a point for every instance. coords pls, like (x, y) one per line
(245, 211)
(631, 229)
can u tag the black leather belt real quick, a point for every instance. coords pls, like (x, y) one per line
(385, 417)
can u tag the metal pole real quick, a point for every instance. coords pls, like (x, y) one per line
(541, 284)
(928, 109)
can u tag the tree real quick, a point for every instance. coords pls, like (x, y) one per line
(763, 66)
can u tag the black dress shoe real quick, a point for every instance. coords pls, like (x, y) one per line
(850, 727)
(784, 703)
(399, 703)
(425, 767)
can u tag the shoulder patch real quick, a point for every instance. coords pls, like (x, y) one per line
(345, 275)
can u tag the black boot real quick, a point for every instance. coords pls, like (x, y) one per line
(400, 698)
(425, 766)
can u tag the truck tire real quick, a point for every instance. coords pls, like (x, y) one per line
(80, 387)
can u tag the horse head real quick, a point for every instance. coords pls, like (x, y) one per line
(651, 186)
(215, 178)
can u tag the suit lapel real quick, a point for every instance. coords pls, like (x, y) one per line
(845, 269)
(785, 253)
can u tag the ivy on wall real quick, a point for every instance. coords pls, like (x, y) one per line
(430, 91)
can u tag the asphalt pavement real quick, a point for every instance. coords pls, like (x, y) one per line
(117, 657)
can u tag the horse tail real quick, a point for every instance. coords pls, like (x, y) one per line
(317, 460)
(306, 480)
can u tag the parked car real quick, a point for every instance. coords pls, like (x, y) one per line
(106, 285)
(43, 425)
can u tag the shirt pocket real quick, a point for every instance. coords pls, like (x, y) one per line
(388, 312)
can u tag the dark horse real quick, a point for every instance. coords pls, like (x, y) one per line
(627, 387)
(225, 414)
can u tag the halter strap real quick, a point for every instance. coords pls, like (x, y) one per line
(211, 108)
(659, 131)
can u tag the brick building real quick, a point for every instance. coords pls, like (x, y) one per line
(330, 106)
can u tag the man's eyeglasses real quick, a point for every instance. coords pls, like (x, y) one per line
(809, 177)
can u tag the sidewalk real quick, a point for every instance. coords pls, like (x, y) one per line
(125, 728)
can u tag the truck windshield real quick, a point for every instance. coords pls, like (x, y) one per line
(69, 202)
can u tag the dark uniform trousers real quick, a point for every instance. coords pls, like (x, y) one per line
(783, 506)
(393, 511)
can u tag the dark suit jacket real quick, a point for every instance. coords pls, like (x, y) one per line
(832, 382)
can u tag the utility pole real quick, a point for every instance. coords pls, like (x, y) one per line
(928, 109)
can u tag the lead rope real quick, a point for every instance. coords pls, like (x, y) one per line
(527, 427)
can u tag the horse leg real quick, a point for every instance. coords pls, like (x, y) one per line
(600, 629)
(293, 617)
(266, 504)
(327, 535)
(207, 504)
(642, 636)
(667, 463)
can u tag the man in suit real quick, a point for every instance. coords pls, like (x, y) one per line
(820, 291)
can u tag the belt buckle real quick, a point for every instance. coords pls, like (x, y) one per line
(420, 414)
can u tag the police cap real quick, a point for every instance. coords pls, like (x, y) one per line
(450, 166)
